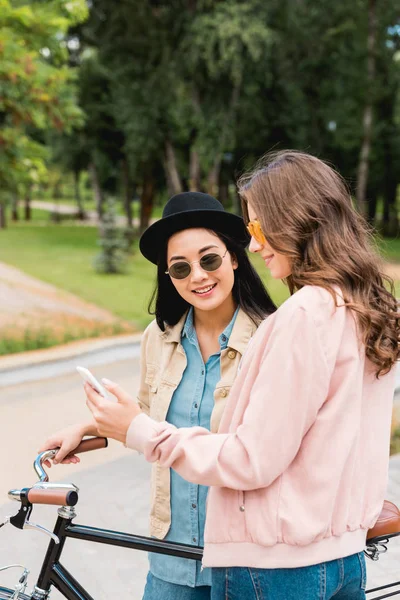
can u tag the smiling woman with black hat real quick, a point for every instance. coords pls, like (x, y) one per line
(208, 302)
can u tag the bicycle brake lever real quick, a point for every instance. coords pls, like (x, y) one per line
(29, 525)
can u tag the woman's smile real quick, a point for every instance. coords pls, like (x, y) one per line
(205, 291)
(267, 259)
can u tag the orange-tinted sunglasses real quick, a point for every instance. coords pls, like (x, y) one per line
(254, 229)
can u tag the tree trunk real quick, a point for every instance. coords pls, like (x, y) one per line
(78, 197)
(390, 222)
(57, 189)
(14, 208)
(194, 168)
(237, 204)
(171, 171)
(213, 176)
(3, 221)
(372, 203)
(223, 193)
(27, 206)
(363, 165)
(194, 171)
(127, 193)
(97, 191)
(146, 201)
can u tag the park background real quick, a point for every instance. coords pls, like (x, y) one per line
(109, 108)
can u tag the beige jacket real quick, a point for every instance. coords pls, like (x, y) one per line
(163, 362)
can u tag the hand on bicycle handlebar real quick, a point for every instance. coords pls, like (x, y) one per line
(67, 439)
(112, 418)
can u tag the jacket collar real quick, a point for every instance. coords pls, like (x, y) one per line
(173, 334)
(243, 329)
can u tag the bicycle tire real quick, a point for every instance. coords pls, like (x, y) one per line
(6, 594)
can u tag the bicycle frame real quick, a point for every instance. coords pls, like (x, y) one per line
(53, 572)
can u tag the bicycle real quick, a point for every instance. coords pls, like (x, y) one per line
(54, 574)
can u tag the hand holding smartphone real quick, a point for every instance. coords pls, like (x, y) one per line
(91, 380)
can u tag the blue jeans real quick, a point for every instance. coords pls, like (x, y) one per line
(158, 589)
(342, 579)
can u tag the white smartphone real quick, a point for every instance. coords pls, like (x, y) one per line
(91, 380)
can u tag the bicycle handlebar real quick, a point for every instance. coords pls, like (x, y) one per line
(94, 443)
(61, 494)
(49, 496)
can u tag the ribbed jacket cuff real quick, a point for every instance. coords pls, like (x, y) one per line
(141, 430)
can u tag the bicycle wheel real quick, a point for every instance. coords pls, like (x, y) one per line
(6, 594)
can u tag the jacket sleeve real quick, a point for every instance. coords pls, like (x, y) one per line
(285, 397)
(143, 395)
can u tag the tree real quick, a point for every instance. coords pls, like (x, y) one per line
(363, 165)
(37, 89)
(112, 257)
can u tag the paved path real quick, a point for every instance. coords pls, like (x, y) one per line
(91, 215)
(29, 305)
(70, 209)
(22, 295)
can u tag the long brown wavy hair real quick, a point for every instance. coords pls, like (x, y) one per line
(306, 213)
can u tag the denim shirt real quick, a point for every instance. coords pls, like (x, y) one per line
(191, 405)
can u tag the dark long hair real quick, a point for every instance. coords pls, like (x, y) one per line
(248, 290)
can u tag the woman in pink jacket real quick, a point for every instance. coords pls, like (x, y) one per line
(307, 424)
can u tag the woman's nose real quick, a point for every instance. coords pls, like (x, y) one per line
(198, 274)
(254, 245)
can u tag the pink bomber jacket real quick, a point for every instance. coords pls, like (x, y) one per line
(298, 468)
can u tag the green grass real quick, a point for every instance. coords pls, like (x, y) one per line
(395, 441)
(390, 248)
(42, 337)
(37, 217)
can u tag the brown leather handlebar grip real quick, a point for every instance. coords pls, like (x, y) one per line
(57, 497)
(94, 443)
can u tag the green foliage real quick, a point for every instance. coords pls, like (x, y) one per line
(221, 80)
(37, 88)
(395, 441)
(29, 339)
(114, 247)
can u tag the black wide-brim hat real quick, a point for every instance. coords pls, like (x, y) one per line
(188, 210)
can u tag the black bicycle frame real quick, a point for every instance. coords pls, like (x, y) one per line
(53, 573)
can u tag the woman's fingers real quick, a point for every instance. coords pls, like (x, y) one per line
(71, 460)
(50, 444)
(92, 395)
(117, 391)
(63, 452)
(112, 418)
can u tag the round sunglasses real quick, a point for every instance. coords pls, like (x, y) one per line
(254, 229)
(209, 262)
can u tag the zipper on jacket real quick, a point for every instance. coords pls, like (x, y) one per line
(242, 507)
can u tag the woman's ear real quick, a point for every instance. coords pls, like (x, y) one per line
(234, 261)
